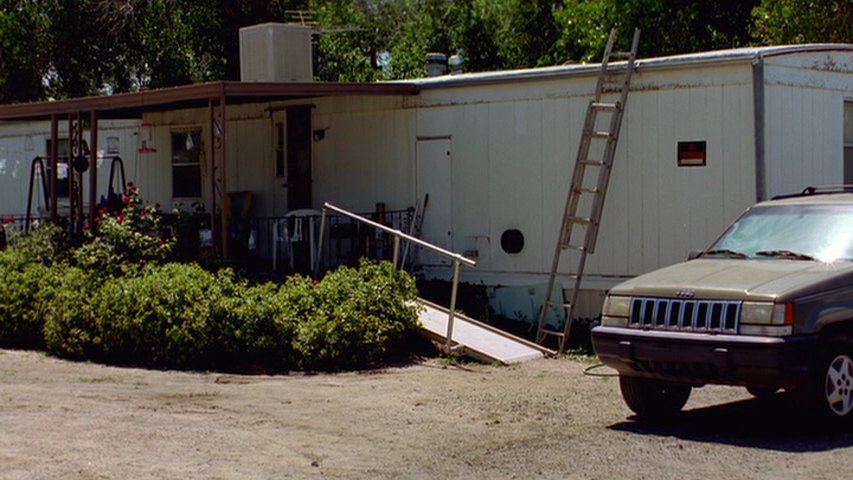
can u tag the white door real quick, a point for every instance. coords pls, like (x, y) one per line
(434, 178)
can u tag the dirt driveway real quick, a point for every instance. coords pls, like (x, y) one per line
(543, 419)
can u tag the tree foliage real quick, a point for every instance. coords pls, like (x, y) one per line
(57, 48)
(24, 40)
(802, 21)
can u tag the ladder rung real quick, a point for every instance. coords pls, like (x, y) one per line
(600, 134)
(593, 190)
(621, 55)
(593, 163)
(579, 248)
(547, 331)
(583, 220)
(604, 106)
(554, 304)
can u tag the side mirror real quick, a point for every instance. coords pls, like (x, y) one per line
(695, 253)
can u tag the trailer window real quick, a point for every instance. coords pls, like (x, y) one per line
(848, 143)
(186, 164)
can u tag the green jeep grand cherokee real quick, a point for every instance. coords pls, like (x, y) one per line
(768, 306)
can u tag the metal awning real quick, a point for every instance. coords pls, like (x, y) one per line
(134, 104)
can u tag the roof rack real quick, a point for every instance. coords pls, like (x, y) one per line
(817, 190)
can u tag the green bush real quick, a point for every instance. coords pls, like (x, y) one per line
(22, 292)
(45, 243)
(169, 315)
(358, 317)
(27, 275)
(125, 238)
(180, 315)
(69, 321)
(263, 321)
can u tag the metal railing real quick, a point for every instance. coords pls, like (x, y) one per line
(291, 242)
(458, 260)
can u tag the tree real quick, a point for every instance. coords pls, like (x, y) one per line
(24, 40)
(59, 48)
(348, 44)
(526, 31)
(668, 26)
(801, 21)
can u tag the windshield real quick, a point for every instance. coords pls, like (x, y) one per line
(797, 232)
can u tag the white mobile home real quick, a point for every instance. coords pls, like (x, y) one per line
(704, 137)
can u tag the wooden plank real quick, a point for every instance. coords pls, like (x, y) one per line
(478, 340)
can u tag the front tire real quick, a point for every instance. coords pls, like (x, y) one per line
(653, 398)
(834, 381)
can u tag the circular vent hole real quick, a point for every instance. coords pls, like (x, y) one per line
(512, 241)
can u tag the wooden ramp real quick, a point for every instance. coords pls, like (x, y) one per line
(478, 340)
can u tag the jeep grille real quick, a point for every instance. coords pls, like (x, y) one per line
(689, 315)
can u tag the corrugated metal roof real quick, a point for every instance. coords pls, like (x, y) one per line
(736, 55)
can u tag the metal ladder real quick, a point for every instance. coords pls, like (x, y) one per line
(585, 214)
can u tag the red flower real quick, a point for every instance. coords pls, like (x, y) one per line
(102, 211)
(8, 220)
(97, 219)
(157, 206)
(85, 228)
(315, 282)
(130, 185)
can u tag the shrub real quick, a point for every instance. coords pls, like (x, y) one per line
(124, 238)
(22, 292)
(45, 243)
(69, 321)
(25, 277)
(359, 315)
(169, 315)
(263, 320)
(180, 315)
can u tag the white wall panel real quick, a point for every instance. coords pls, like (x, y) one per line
(804, 138)
(367, 154)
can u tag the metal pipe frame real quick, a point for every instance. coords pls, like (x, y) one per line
(224, 167)
(212, 170)
(93, 167)
(54, 140)
(38, 163)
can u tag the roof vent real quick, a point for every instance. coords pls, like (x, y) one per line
(276, 52)
(456, 63)
(436, 64)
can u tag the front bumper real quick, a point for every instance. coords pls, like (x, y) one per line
(703, 358)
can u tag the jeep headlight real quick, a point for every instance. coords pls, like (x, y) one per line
(615, 311)
(766, 313)
(757, 313)
(767, 319)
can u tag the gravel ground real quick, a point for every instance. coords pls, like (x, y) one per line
(541, 419)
